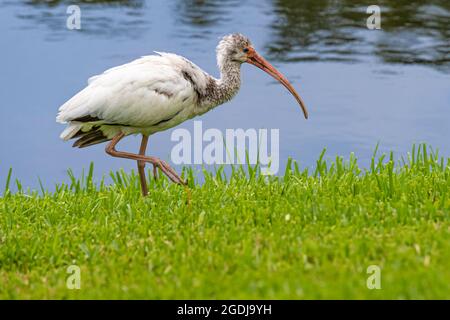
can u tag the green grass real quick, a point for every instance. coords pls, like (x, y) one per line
(304, 235)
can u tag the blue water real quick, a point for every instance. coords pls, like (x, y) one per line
(362, 87)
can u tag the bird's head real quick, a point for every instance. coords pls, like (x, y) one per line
(238, 48)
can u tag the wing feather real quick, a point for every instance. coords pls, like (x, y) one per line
(141, 93)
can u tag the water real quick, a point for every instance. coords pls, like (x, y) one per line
(362, 87)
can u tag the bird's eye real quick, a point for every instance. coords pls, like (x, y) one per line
(245, 50)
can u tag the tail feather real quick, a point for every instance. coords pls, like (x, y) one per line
(90, 138)
(71, 131)
(93, 142)
(85, 138)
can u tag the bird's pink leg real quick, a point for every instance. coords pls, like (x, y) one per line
(141, 165)
(164, 166)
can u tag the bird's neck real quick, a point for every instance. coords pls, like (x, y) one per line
(225, 88)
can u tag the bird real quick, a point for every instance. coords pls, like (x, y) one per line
(155, 93)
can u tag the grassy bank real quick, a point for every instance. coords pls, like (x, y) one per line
(307, 234)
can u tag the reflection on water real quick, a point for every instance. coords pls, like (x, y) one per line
(203, 13)
(416, 32)
(413, 32)
(99, 17)
(316, 30)
(52, 3)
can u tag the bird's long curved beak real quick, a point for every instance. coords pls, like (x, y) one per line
(255, 59)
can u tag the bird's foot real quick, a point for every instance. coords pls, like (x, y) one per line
(170, 172)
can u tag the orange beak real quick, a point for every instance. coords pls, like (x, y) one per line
(255, 59)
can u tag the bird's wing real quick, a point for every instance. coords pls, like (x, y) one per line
(141, 93)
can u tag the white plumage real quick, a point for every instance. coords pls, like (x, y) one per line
(137, 95)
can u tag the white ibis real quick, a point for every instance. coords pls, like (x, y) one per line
(155, 93)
